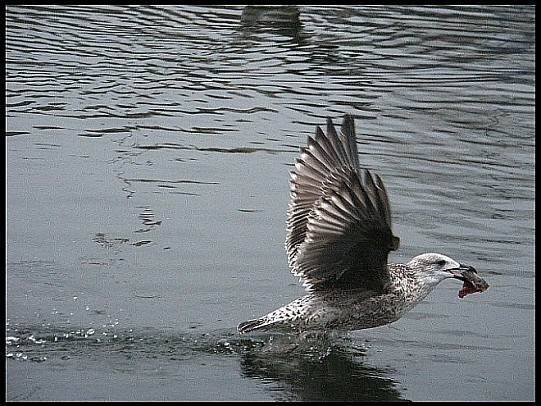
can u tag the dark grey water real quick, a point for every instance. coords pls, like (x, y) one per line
(148, 151)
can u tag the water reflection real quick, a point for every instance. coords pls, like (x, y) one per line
(339, 376)
(283, 20)
(323, 369)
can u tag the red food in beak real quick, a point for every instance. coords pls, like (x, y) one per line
(472, 282)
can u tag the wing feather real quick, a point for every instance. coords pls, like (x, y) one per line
(339, 219)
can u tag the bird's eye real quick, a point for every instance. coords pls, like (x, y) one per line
(441, 262)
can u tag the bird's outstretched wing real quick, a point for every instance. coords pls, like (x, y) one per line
(338, 220)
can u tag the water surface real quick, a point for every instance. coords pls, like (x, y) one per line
(148, 151)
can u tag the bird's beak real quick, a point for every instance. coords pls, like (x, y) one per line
(458, 273)
(472, 282)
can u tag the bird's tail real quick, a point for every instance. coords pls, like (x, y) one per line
(286, 318)
(250, 325)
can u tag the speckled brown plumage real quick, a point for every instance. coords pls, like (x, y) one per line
(338, 239)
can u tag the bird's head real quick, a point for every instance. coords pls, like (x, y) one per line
(432, 268)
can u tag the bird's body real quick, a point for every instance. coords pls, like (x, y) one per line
(338, 240)
(342, 309)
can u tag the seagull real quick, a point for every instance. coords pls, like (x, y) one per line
(338, 238)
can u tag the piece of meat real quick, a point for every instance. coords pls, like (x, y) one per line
(472, 283)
